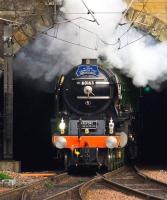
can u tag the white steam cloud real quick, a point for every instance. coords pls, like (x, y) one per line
(145, 60)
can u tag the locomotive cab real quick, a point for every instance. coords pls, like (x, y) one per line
(86, 129)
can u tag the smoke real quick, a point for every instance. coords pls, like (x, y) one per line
(145, 64)
(145, 60)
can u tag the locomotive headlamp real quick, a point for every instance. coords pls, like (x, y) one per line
(62, 126)
(111, 142)
(111, 126)
(60, 142)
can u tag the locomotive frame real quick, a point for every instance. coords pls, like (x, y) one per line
(89, 127)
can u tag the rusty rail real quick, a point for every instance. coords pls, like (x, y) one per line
(20, 193)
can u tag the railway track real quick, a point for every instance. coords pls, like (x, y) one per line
(21, 192)
(125, 181)
(62, 186)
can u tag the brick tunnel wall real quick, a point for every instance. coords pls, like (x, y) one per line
(32, 14)
(149, 16)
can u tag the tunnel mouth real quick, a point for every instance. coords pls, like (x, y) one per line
(33, 109)
(153, 133)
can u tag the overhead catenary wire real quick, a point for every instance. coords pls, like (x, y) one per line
(104, 42)
(90, 12)
(119, 23)
(70, 42)
(124, 14)
(118, 41)
(119, 38)
(144, 35)
(96, 35)
(129, 43)
(95, 13)
(91, 48)
(74, 19)
(100, 12)
(131, 23)
(69, 21)
(97, 48)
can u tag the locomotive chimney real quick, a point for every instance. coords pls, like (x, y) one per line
(89, 61)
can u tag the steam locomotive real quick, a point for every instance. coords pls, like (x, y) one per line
(89, 127)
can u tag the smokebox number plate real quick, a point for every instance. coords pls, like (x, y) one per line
(87, 124)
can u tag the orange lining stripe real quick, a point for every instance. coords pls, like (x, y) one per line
(85, 141)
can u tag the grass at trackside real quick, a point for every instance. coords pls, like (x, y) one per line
(4, 176)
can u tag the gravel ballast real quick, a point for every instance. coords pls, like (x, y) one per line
(24, 179)
(157, 173)
(108, 194)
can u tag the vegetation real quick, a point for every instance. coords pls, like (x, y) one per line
(49, 185)
(4, 176)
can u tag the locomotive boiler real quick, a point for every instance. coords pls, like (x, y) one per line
(89, 127)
